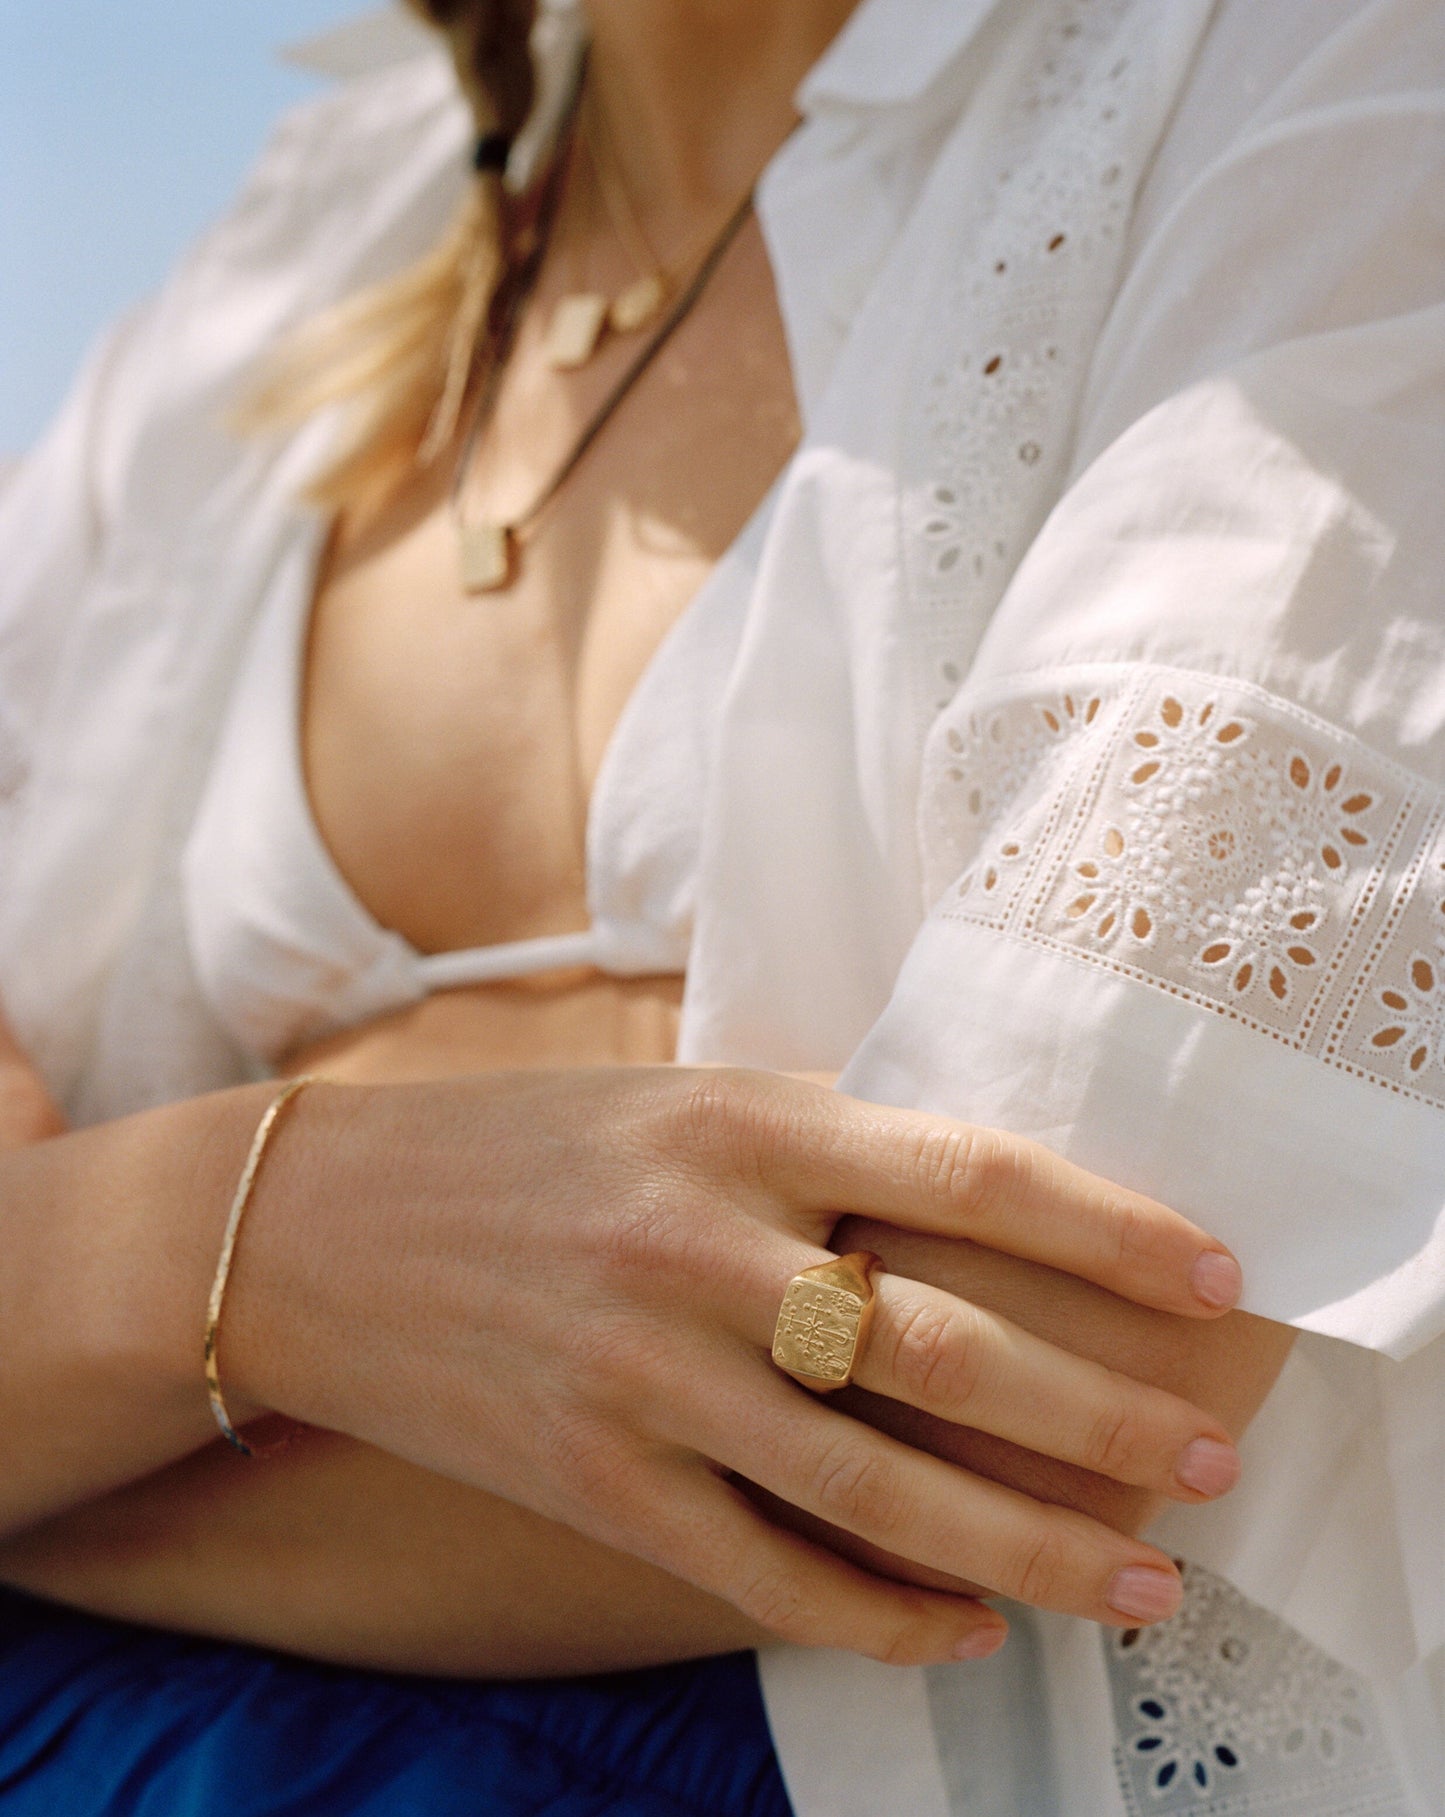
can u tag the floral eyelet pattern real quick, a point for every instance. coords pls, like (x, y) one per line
(1225, 1711)
(1210, 840)
(1414, 1003)
(1035, 258)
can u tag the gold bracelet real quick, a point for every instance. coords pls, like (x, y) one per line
(223, 1267)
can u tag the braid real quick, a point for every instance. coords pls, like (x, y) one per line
(400, 355)
(488, 41)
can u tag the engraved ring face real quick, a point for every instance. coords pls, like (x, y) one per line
(823, 1321)
(817, 1330)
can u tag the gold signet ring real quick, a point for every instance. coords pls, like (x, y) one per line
(823, 1321)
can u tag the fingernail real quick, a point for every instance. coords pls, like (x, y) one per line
(1144, 1593)
(982, 1643)
(1208, 1466)
(1216, 1279)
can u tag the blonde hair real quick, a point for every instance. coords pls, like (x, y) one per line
(399, 356)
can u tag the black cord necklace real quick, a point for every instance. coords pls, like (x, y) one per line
(488, 548)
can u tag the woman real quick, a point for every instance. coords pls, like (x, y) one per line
(184, 936)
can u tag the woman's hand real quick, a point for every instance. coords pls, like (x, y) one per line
(562, 1288)
(1225, 1365)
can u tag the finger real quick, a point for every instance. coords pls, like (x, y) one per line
(970, 1366)
(832, 1154)
(909, 1503)
(965, 1364)
(804, 1594)
(28, 1113)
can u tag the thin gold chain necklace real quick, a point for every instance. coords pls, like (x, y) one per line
(585, 316)
(488, 547)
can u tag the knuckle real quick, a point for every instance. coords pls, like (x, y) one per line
(1038, 1568)
(1114, 1443)
(859, 1490)
(621, 1362)
(730, 1118)
(952, 1161)
(647, 1236)
(775, 1599)
(981, 1171)
(909, 1642)
(1134, 1235)
(939, 1357)
(711, 1106)
(899, 1649)
(587, 1452)
(710, 1102)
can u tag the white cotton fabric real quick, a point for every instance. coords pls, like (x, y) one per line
(1063, 747)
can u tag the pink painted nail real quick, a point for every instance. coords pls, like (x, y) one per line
(1216, 1279)
(1207, 1466)
(1144, 1593)
(983, 1643)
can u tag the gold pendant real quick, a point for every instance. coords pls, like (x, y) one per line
(635, 307)
(575, 328)
(485, 554)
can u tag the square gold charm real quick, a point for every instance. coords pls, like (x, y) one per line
(485, 556)
(817, 1330)
(635, 307)
(573, 330)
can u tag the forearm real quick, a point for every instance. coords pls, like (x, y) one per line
(339, 1552)
(108, 1241)
(393, 1292)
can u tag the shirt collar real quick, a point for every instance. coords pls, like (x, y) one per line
(891, 51)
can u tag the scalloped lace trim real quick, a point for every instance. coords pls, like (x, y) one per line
(1210, 840)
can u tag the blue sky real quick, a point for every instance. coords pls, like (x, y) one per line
(124, 127)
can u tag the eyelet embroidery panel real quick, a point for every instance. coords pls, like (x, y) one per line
(999, 372)
(1207, 839)
(1225, 1711)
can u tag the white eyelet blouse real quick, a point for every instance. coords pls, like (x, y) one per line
(1063, 747)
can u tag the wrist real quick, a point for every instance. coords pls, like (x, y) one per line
(152, 1320)
(284, 1325)
(113, 1234)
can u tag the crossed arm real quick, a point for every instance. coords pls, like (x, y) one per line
(341, 1551)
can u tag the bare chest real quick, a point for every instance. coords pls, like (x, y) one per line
(451, 741)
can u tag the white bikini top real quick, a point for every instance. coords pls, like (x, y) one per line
(284, 950)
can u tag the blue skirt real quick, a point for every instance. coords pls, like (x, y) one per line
(100, 1719)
